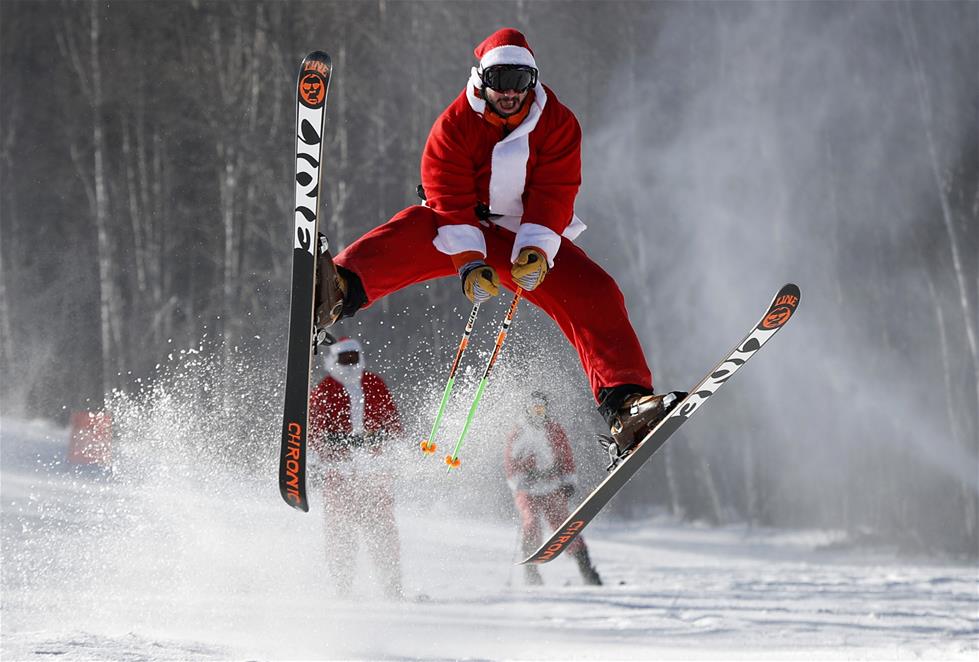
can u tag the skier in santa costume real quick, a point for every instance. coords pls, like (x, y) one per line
(540, 471)
(500, 172)
(352, 413)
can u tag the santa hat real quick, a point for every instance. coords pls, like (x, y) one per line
(345, 344)
(332, 355)
(505, 46)
(349, 376)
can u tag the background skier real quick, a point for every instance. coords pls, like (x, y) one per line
(352, 415)
(500, 172)
(540, 470)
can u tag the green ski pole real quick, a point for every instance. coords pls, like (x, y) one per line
(453, 459)
(428, 445)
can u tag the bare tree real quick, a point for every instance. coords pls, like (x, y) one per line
(8, 205)
(79, 39)
(941, 187)
(967, 288)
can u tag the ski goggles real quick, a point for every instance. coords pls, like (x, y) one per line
(537, 409)
(502, 77)
(348, 358)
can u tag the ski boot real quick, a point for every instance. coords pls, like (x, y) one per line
(630, 417)
(331, 288)
(393, 590)
(532, 575)
(588, 572)
(339, 292)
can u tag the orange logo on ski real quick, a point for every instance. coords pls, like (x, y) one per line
(780, 313)
(312, 89)
(569, 533)
(292, 462)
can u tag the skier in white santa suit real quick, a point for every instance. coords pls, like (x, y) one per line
(352, 415)
(500, 173)
(540, 470)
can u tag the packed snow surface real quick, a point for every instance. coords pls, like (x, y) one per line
(170, 564)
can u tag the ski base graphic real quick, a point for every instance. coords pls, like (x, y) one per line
(779, 312)
(311, 92)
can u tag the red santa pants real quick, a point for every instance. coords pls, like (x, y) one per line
(553, 507)
(585, 301)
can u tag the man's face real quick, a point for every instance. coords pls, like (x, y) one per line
(505, 103)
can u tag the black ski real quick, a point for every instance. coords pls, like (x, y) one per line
(311, 91)
(779, 312)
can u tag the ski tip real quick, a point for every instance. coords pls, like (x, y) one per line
(428, 447)
(318, 56)
(783, 307)
(535, 559)
(790, 288)
(300, 505)
(314, 79)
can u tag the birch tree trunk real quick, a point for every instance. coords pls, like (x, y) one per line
(948, 217)
(87, 67)
(8, 140)
(970, 498)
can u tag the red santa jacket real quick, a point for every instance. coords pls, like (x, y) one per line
(329, 415)
(538, 460)
(530, 176)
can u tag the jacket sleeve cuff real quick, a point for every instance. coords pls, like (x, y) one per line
(538, 236)
(459, 260)
(452, 239)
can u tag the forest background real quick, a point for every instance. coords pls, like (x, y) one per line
(146, 165)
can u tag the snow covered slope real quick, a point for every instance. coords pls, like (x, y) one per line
(165, 563)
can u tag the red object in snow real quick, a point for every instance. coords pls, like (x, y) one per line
(91, 438)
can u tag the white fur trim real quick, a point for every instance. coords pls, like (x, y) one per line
(532, 234)
(508, 54)
(350, 377)
(346, 345)
(475, 82)
(508, 175)
(452, 239)
(508, 168)
(355, 391)
(512, 223)
(576, 227)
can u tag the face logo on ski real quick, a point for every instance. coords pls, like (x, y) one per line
(567, 534)
(311, 90)
(780, 312)
(312, 84)
(292, 462)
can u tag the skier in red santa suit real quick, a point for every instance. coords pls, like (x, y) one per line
(500, 172)
(352, 414)
(540, 470)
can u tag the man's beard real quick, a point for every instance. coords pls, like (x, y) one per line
(535, 421)
(505, 113)
(346, 374)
